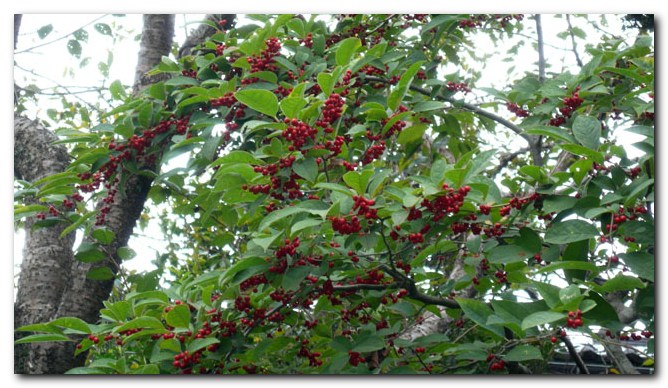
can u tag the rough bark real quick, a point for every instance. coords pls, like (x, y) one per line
(84, 297)
(156, 41)
(46, 256)
(81, 297)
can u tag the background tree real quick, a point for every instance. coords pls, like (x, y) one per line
(342, 203)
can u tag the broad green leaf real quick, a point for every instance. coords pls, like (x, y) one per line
(260, 100)
(587, 131)
(144, 322)
(42, 338)
(553, 132)
(569, 294)
(411, 134)
(576, 265)
(505, 254)
(84, 370)
(72, 323)
(549, 292)
(265, 242)
(369, 343)
(100, 273)
(306, 168)
(346, 50)
(541, 318)
(576, 149)
(103, 235)
(326, 83)
(358, 180)
(523, 353)
(529, 240)
(74, 47)
(620, 283)
(44, 31)
(641, 263)
(148, 369)
(201, 343)
(250, 262)
(426, 106)
(479, 313)
(103, 28)
(292, 106)
(126, 253)
(41, 327)
(179, 316)
(77, 223)
(293, 277)
(312, 207)
(565, 232)
(117, 90)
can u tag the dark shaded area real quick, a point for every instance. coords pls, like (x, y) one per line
(643, 22)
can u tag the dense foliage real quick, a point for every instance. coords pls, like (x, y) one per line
(338, 191)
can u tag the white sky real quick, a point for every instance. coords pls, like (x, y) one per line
(125, 59)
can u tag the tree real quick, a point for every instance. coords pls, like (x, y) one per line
(341, 203)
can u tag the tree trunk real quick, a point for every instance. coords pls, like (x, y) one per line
(46, 257)
(74, 294)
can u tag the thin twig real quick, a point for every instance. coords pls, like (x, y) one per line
(570, 32)
(541, 48)
(575, 355)
(62, 37)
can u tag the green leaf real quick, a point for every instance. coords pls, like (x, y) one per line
(312, 207)
(584, 151)
(293, 277)
(265, 242)
(529, 240)
(100, 273)
(148, 369)
(639, 187)
(179, 316)
(326, 83)
(77, 223)
(88, 253)
(587, 131)
(41, 327)
(641, 263)
(412, 134)
(103, 28)
(126, 253)
(72, 323)
(549, 292)
(505, 254)
(44, 31)
(260, 100)
(620, 283)
(569, 231)
(523, 353)
(369, 343)
(569, 294)
(103, 235)
(74, 47)
(346, 49)
(243, 264)
(144, 322)
(84, 370)
(42, 338)
(181, 81)
(579, 265)
(201, 343)
(555, 133)
(358, 180)
(541, 318)
(426, 106)
(117, 90)
(306, 168)
(292, 106)
(475, 310)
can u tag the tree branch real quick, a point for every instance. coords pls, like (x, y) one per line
(574, 354)
(60, 38)
(541, 49)
(570, 32)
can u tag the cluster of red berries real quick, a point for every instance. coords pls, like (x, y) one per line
(623, 215)
(570, 105)
(185, 360)
(374, 152)
(265, 61)
(496, 363)
(307, 41)
(312, 356)
(226, 100)
(331, 112)
(447, 204)
(344, 226)
(398, 125)
(363, 207)
(574, 319)
(514, 108)
(632, 336)
(457, 87)
(355, 358)
(297, 133)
